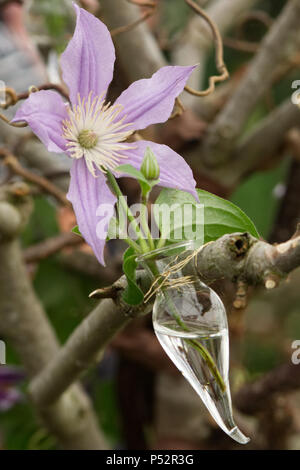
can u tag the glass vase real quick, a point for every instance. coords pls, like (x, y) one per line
(190, 322)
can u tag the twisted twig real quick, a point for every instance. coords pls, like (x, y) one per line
(221, 67)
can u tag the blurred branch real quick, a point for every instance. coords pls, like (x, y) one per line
(252, 398)
(12, 162)
(289, 210)
(239, 42)
(147, 14)
(221, 67)
(277, 47)
(50, 246)
(257, 150)
(241, 45)
(194, 43)
(233, 256)
(36, 155)
(264, 142)
(25, 325)
(137, 47)
(87, 264)
(85, 346)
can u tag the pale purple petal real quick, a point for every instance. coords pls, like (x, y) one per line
(10, 375)
(149, 101)
(88, 61)
(174, 171)
(93, 204)
(9, 397)
(44, 111)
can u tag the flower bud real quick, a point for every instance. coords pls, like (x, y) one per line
(150, 166)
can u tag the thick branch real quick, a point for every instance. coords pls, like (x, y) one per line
(24, 323)
(253, 397)
(278, 46)
(137, 49)
(256, 149)
(265, 139)
(84, 347)
(50, 246)
(234, 256)
(263, 144)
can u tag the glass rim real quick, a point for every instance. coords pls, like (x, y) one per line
(158, 251)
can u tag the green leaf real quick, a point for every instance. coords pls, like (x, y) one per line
(132, 295)
(170, 212)
(220, 216)
(76, 230)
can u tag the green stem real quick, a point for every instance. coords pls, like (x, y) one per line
(144, 221)
(161, 242)
(136, 228)
(132, 243)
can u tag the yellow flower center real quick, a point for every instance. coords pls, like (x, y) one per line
(87, 139)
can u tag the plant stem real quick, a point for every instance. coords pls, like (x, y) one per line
(144, 221)
(161, 242)
(132, 243)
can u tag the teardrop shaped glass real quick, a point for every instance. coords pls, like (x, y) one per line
(190, 322)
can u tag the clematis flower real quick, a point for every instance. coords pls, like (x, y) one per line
(93, 133)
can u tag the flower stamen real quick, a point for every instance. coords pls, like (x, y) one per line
(93, 131)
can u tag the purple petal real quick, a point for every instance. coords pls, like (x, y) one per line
(174, 171)
(44, 111)
(10, 375)
(151, 100)
(88, 61)
(9, 397)
(93, 204)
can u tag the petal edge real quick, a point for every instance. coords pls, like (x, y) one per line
(88, 60)
(44, 112)
(151, 100)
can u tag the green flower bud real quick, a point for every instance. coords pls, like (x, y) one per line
(150, 166)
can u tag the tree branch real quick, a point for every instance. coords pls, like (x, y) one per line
(137, 47)
(24, 324)
(12, 162)
(50, 246)
(233, 256)
(263, 143)
(194, 43)
(85, 345)
(36, 155)
(256, 150)
(252, 398)
(277, 47)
